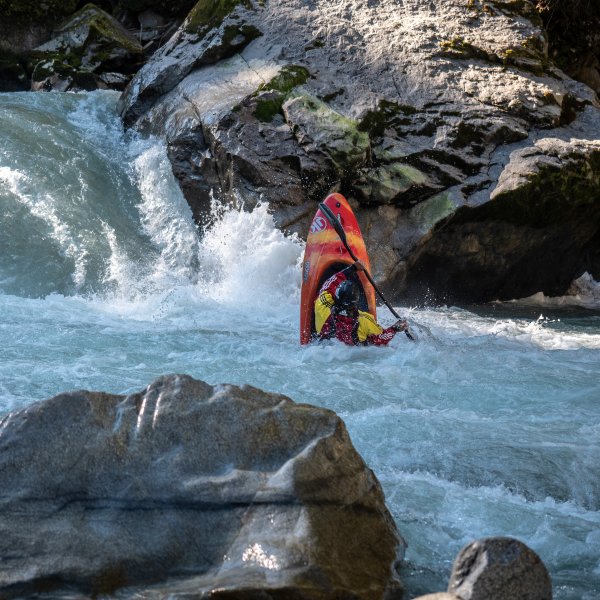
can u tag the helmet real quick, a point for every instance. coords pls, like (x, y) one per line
(347, 294)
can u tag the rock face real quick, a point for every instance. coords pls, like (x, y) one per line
(541, 222)
(499, 568)
(188, 490)
(413, 110)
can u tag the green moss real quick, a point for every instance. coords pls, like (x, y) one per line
(288, 78)
(317, 43)
(523, 8)
(550, 196)
(336, 134)
(208, 14)
(268, 108)
(47, 68)
(530, 56)
(247, 32)
(434, 209)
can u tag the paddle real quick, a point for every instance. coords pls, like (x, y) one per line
(340, 231)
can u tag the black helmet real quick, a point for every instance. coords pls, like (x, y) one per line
(347, 294)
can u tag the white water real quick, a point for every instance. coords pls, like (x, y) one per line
(489, 427)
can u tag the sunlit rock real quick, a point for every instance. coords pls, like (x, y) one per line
(210, 33)
(397, 106)
(186, 488)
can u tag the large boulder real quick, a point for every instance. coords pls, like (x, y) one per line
(190, 490)
(89, 50)
(412, 111)
(538, 229)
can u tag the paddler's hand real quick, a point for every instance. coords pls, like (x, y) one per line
(359, 266)
(400, 325)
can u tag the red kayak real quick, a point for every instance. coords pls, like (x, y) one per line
(324, 255)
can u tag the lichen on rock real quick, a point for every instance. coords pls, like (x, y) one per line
(318, 127)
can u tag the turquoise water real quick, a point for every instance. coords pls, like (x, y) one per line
(488, 426)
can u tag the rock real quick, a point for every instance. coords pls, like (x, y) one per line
(537, 232)
(211, 32)
(13, 75)
(439, 596)
(499, 568)
(184, 489)
(87, 45)
(416, 108)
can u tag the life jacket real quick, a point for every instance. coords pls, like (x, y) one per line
(353, 326)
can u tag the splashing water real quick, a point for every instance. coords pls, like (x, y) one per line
(491, 426)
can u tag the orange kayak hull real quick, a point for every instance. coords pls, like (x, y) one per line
(325, 254)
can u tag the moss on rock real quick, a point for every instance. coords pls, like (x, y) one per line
(433, 210)
(458, 47)
(551, 195)
(389, 184)
(208, 14)
(268, 105)
(323, 129)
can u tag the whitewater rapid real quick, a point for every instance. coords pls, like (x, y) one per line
(489, 425)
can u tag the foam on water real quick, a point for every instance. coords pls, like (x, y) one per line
(488, 426)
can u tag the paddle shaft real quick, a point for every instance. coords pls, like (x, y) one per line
(342, 234)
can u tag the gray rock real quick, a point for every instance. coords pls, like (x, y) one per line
(420, 106)
(439, 596)
(538, 231)
(205, 38)
(184, 489)
(499, 569)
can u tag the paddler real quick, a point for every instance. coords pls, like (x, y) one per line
(337, 314)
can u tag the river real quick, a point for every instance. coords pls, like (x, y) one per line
(489, 425)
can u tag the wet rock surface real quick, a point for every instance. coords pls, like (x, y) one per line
(189, 490)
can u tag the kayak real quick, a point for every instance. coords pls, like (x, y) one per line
(325, 255)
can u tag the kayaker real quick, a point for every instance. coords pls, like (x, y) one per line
(337, 314)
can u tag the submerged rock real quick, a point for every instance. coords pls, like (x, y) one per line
(189, 490)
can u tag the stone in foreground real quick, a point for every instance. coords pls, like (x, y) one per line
(501, 568)
(189, 490)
